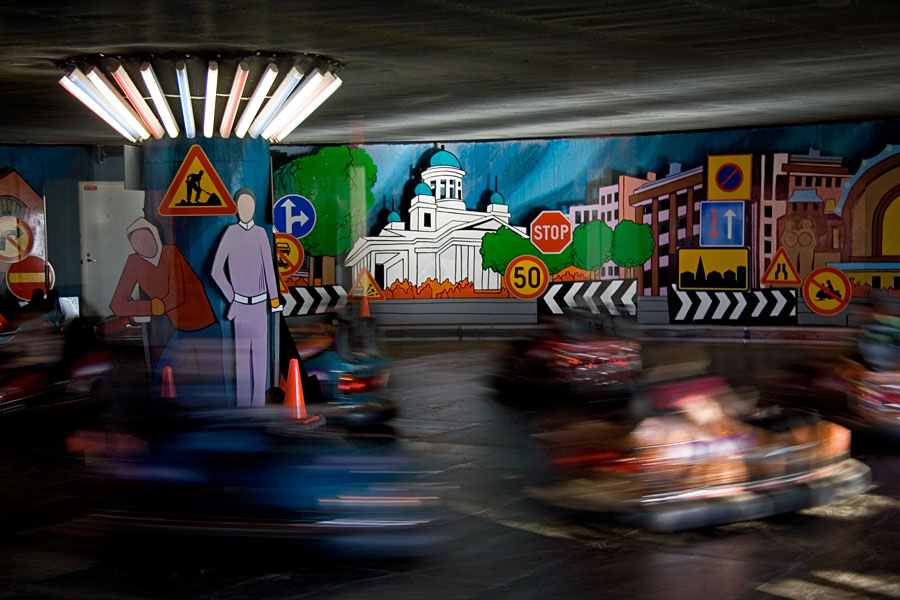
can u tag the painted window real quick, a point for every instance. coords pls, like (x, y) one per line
(594, 216)
(426, 220)
(767, 211)
(767, 230)
(578, 217)
(835, 238)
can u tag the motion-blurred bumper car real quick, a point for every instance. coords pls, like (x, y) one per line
(688, 464)
(353, 376)
(582, 355)
(50, 370)
(250, 474)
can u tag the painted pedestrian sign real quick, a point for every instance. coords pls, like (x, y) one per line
(288, 254)
(526, 277)
(721, 223)
(196, 190)
(295, 215)
(827, 291)
(781, 271)
(728, 177)
(16, 239)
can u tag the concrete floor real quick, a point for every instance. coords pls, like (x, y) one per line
(501, 544)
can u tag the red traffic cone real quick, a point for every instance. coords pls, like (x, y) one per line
(168, 384)
(293, 398)
(364, 307)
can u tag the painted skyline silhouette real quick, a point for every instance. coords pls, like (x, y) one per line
(729, 280)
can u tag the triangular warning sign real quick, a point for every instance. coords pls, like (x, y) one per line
(781, 271)
(196, 189)
(365, 285)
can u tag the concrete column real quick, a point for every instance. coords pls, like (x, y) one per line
(239, 163)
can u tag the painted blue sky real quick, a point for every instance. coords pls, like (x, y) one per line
(536, 174)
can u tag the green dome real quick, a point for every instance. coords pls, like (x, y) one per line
(422, 189)
(394, 217)
(443, 158)
(497, 198)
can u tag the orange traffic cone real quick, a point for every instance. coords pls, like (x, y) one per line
(364, 307)
(293, 398)
(168, 384)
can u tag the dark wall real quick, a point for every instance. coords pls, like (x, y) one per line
(54, 173)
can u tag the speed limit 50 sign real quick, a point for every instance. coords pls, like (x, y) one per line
(526, 277)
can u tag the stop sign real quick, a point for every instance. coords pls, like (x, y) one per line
(551, 232)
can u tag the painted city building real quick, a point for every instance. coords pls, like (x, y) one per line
(440, 239)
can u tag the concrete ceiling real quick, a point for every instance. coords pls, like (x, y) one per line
(436, 71)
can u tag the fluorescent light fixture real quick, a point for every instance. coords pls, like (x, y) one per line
(325, 90)
(159, 99)
(234, 98)
(101, 112)
(209, 114)
(138, 102)
(299, 99)
(256, 100)
(77, 77)
(184, 92)
(117, 103)
(284, 89)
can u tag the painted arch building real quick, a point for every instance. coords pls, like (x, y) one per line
(441, 239)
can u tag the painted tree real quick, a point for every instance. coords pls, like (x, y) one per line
(591, 245)
(632, 244)
(500, 247)
(338, 181)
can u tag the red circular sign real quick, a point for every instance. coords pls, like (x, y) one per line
(729, 177)
(551, 232)
(28, 275)
(827, 291)
(526, 277)
(16, 239)
(288, 254)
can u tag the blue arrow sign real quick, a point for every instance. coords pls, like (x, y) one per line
(722, 223)
(295, 215)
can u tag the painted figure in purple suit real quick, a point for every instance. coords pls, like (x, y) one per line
(243, 269)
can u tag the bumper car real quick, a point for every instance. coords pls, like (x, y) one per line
(345, 372)
(698, 457)
(578, 355)
(251, 474)
(50, 371)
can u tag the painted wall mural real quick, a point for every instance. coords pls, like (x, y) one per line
(444, 221)
(23, 266)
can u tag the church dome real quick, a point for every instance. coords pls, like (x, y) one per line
(394, 217)
(442, 158)
(497, 198)
(422, 189)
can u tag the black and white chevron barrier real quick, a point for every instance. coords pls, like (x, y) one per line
(757, 307)
(615, 296)
(314, 300)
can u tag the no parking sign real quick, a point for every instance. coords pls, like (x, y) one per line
(728, 177)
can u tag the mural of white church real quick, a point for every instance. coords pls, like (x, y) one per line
(443, 238)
